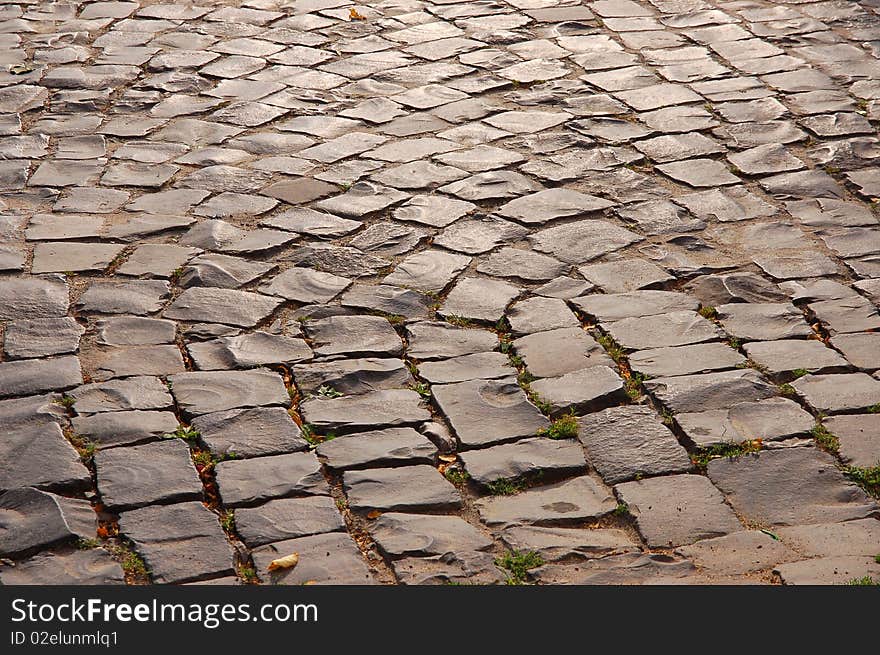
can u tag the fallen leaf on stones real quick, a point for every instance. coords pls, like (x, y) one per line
(448, 458)
(20, 69)
(374, 514)
(354, 14)
(286, 562)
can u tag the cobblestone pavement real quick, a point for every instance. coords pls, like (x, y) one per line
(440, 291)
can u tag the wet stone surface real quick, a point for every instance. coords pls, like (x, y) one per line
(406, 286)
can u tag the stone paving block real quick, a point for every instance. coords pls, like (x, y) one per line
(413, 535)
(685, 360)
(628, 568)
(772, 419)
(859, 437)
(677, 510)
(840, 393)
(698, 393)
(81, 567)
(249, 482)
(159, 472)
(108, 429)
(428, 340)
(353, 335)
(828, 570)
(557, 352)
(352, 376)
(250, 432)
(331, 558)
(40, 457)
(406, 488)
(386, 408)
(287, 518)
(663, 330)
(788, 355)
(377, 449)
(204, 392)
(792, 486)
(623, 443)
(737, 553)
(537, 457)
(484, 412)
(179, 543)
(580, 391)
(34, 519)
(565, 503)
(31, 376)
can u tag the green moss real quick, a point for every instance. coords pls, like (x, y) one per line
(505, 487)
(703, 456)
(565, 427)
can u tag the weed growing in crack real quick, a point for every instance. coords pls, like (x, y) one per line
(707, 311)
(328, 392)
(227, 521)
(633, 385)
(824, 438)
(866, 581)
(787, 390)
(421, 388)
(505, 487)
(622, 510)
(184, 432)
(799, 373)
(730, 450)
(457, 476)
(565, 427)
(614, 349)
(248, 574)
(518, 563)
(867, 478)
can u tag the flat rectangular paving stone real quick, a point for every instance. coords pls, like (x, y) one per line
(430, 340)
(406, 488)
(158, 472)
(568, 544)
(862, 350)
(478, 299)
(287, 518)
(227, 306)
(791, 486)
(63, 256)
(477, 366)
(204, 392)
(698, 393)
(565, 503)
(34, 297)
(763, 321)
(249, 350)
(248, 482)
(378, 448)
(253, 432)
(788, 355)
(530, 457)
(81, 567)
(685, 360)
(109, 429)
(39, 456)
(841, 393)
(828, 570)
(386, 408)
(485, 412)
(851, 314)
(39, 337)
(32, 376)
(415, 535)
(352, 376)
(104, 363)
(331, 558)
(859, 537)
(353, 336)
(33, 520)
(618, 306)
(580, 391)
(540, 314)
(772, 419)
(676, 510)
(859, 437)
(737, 553)
(557, 352)
(663, 330)
(134, 393)
(179, 543)
(625, 443)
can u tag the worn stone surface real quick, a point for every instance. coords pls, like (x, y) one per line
(163, 471)
(287, 518)
(279, 222)
(34, 519)
(252, 481)
(179, 543)
(623, 443)
(406, 488)
(81, 567)
(677, 510)
(529, 457)
(793, 486)
(484, 412)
